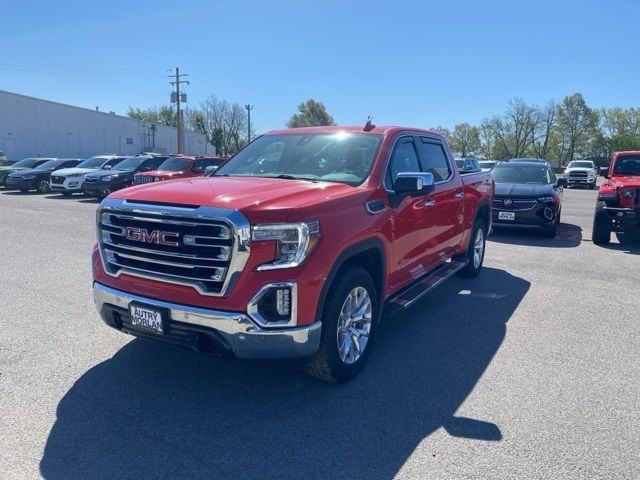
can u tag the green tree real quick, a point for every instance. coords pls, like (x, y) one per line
(310, 114)
(444, 131)
(164, 115)
(577, 125)
(514, 131)
(465, 140)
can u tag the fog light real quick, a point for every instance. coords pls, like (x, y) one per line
(283, 302)
(548, 213)
(620, 214)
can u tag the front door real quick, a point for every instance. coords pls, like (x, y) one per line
(414, 220)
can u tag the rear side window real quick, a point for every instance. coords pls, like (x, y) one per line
(434, 160)
(403, 159)
(154, 163)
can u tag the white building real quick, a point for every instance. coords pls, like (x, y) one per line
(30, 127)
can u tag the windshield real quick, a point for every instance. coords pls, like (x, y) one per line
(515, 174)
(47, 165)
(93, 162)
(628, 165)
(327, 157)
(26, 162)
(175, 164)
(581, 165)
(130, 164)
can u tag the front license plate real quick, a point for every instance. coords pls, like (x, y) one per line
(146, 318)
(506, 216)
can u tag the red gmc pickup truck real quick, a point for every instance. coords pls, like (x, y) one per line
(618, 204)
(294, 247)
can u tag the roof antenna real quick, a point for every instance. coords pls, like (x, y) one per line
(368, 126)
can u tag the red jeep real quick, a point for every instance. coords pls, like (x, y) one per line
(618, 204)
(294, 247)
(178, 167)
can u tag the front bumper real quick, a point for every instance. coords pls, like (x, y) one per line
(97, 189)
(623, 217)
(540, 215)
(580, 181)
(20, 184)
(72, 184)
(199, 328)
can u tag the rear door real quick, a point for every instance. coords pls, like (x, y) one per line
(447, 197)
(413, 220)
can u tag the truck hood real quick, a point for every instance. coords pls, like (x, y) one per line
(621, 181)
(73, 171)
(579, 169)
(260, 199)
(523, 190)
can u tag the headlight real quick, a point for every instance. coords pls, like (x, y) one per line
(295, 241)
(75, 175)
(27, 177)
(546, 199)
(627, 193)
(157, 179)
(107, 178)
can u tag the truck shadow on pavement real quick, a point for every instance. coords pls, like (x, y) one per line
(628, 243)
(154, 411)
(568, 236)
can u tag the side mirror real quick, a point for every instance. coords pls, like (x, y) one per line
(604, 171)
(209, 170)
(414, 183)
(561, 182)
(107, 167)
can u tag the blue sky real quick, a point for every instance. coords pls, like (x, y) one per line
(417, 63)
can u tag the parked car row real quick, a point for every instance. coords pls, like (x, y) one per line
(100, 175)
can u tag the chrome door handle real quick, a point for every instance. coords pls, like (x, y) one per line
(459, 194)
(429, 203)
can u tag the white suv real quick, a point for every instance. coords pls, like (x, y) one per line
(69, 180)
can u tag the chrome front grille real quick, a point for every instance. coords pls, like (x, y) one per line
(202, 247)
(138, 179)
(578, 174)
(516, 204)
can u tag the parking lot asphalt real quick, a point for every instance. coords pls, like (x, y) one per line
(528, 371)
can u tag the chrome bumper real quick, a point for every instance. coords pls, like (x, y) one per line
(245, 338)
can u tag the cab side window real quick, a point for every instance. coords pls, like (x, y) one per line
(434, 159)
(198, 164)
(404, 158)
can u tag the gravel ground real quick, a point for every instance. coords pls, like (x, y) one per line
(528, 371)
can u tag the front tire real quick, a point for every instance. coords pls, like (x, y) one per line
(43, 186)
(601, 233)
(475, 252)
(349, 319)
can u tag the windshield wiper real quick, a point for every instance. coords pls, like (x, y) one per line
(291, 177)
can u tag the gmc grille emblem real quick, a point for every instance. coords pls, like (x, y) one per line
(155, 236)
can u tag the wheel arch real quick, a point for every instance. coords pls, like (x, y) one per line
(368, 254)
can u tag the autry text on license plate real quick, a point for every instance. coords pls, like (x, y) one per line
(506, 216)
(146, 318)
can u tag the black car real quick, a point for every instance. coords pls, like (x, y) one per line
(38, 178)
(102, 182)
(527, 194)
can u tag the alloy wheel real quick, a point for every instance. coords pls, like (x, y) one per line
(354, 325)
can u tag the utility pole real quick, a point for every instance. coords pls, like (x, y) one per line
(249, 108)
(176, 98)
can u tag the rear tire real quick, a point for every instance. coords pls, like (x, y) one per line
(601, 233)
(349, 319)
(475, 251)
